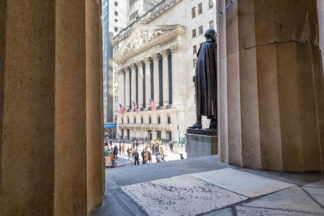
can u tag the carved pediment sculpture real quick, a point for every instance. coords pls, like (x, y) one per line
(143, 37)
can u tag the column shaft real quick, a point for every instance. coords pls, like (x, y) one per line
(156, 79)
(127, 87)
(147, 82)
(165, 69)
(133, 80)
(179, 87)
(121, 88)
(140, 85)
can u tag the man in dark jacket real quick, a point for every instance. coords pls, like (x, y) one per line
(205, 80)
(136, 156)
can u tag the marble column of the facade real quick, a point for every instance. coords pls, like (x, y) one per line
(127, 87)
(133, 69)
(165, 68)
(147, 63)
(140, 85)
(320, 9)
(121, 88)
(270, 86)
(179, 88)
(155, 58)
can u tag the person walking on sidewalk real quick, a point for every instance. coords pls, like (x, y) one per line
(143, 155)
(136, 156)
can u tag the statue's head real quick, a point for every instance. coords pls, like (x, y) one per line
(210, 34)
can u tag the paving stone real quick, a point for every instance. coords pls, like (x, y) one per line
(244, 183)
(316, 193)
(181, 195)
(222, 212)
(292, 199)
(316, 184)
(250, 211)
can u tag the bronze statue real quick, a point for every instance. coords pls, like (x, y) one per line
(205, 80)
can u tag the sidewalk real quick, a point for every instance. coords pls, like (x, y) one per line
(205, 186)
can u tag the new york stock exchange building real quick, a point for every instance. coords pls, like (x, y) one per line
(154, 63)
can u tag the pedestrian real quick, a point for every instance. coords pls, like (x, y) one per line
(120, 149)
(115, 152)
(158, 158)
(110, 142)
(149, 157)
(143, 155)
(123, 149)
(181, 156)
(146, 157)
(136, 157)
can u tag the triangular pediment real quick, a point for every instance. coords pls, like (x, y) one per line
(143, 37)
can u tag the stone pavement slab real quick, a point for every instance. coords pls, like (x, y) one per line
(316, 184)
(244, 183)
(316, 193)
(222, 212)
(180, 195)
(250, 211)
(291, 199)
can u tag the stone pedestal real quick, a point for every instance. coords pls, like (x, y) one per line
(201, 143)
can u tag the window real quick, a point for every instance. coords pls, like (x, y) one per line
(193, 12)
(116, 20)
(127, 120)
(142, 120)
(169, 120)
(116, 29)
(200, 8)
(150, 120)
(194, 33)
(122, 120)
(211, 4)
(116, 13)
(134, 120)
(116, 3)
(194, 49)
(159, 120)
(211, 24)
(201, 29)
(194, 63)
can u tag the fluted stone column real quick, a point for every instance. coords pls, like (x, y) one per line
(148, 81)
(156, 78)
(132, 67)
(127, 86)
(179, 87)
(140, 84)
(270, 86)
(165, 69)
(121, 88)
(320, 9)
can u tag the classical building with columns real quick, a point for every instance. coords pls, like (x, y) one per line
(154, 58)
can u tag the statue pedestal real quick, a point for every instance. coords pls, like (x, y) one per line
(201, 142)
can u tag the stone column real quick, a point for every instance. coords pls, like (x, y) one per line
(270, 86)
(156, 79)
(320, 8)
(127, 96)
(140, 84)
(165, 69)
(179, 87)
(121, 88)
(132, 67)
(27, 102)
(94, 106)
(148, 81)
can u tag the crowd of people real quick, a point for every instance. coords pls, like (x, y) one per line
(133, 152)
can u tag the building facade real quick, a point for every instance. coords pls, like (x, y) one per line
(155, 59)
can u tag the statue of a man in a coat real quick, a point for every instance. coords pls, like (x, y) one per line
(205, 80)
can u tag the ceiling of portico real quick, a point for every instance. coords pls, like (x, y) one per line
(144, 37)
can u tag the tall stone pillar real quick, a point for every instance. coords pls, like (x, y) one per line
(133, 80)
(94, 106)
(147, 81)
(156, 78)
(179, 87)
(165, 69)
(320, 9)
(271, 99)
(121, 88)
(127, 87)
(140, 84)
(27, 102)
